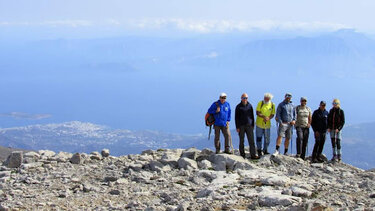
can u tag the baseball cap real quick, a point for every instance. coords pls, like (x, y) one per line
(303, 99)
(288, 94)
(323, 102)
(223, 95)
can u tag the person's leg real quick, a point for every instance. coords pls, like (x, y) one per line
(338, 143)
(315, 153)
(305, 139)
(322, 140)
(280, 136)
(267, 134)
(242, 137)
(333, 141)
(217, 138)
(259, 134)
(227, 137)
(250, 138)
(288, 136)
(299, 141)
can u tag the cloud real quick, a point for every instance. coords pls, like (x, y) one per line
(55, 23)
(197, 26)
(20, 115)
(224, 26)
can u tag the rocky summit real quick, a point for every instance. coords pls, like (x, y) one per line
(178, 179)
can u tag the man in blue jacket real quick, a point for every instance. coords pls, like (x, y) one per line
(222, 114)
(286, 117)
(244, 116)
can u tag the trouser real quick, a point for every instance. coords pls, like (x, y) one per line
(226, 133)
(302, 140)
(336, 146)
(248, 129)
(320, 139)
(260, 132)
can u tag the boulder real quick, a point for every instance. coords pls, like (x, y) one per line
(191, 153)
(14, 159)
(105, 153)
(76, 158)
(185, 163)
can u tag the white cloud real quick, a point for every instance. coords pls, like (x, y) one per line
(223, 26)
(20, 115)
(198, 26)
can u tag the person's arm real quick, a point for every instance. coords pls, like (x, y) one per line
(278, 113)
(342, 120)
(229, 113)
(273, 110)
(237, 117)
(329, 121)
(313, 121)
(309, 118)
(212, 109)
(252, 115)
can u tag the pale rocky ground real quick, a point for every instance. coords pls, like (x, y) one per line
(180, 179)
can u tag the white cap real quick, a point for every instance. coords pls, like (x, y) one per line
(223, 94)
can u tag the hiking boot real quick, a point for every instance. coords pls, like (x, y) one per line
(259, 153)
(334, 158)
(228, 152)
(217, 151)
(243, 155)
(286, 153)
(298, 155)
(314, 160)
(265, 152)
(254, 157)
(276, 152)
(320, 160)
(339, 158)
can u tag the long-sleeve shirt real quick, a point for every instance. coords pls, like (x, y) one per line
(244, 115)
(336, 119)
(285, 112)
(319, 120)
(222, 117)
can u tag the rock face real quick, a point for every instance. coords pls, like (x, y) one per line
(180, 180)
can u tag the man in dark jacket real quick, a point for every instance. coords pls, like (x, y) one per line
(319, 125)
(244, 116)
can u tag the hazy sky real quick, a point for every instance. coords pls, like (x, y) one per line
(192, 15)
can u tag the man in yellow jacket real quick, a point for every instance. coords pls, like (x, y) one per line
(265, 112)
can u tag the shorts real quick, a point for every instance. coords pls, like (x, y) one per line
(285, 130)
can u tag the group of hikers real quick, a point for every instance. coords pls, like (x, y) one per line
(287, 116)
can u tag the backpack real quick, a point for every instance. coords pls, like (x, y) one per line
(210, 120)
(263, 104)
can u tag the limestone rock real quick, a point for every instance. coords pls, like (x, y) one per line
(14, 160)
(76, 158)
(185, 163)
(105, 153)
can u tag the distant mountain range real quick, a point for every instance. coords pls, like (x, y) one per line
(358, 144)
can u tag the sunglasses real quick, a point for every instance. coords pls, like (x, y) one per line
(223, 97)
(244, 98)
(288, 95)
(334, 103)
(303, 101)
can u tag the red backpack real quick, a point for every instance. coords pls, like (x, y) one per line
(210, 120)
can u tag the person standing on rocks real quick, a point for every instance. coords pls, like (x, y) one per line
(222, 114)
(265, 112)
(244, 116)
(319, 126)
(303, 123)
(336, 121)
(285, 116)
